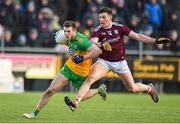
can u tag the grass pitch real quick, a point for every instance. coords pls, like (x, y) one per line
(119, 108)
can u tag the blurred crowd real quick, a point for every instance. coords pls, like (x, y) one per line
(30, 23)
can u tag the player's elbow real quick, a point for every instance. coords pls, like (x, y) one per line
(99, 51)
(50, 91)
(135, 36)
(90, 80)
(96, 50)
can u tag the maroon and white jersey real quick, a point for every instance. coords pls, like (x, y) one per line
(114, 36)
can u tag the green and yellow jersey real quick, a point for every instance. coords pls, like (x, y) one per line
(80, 45)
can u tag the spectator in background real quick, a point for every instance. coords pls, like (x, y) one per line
(62, 10)
(75, 8)
(116, 18)
(8, 40)
(137, 7)
(33, 38)
(122, 12)
(91, 13)
(174, 21)
(7, 14)
(134, 23)
(88, 27)
(110, 3)
(99, 3)
(166, 10)
(20, 26)
(30, 17)
(155, 14)
(55, 23)
(45, 33)
(175, 44)
(131, 43)
(21, 40)
(40, 4)
(174, 3)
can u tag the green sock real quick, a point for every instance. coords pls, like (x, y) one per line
(36, 112)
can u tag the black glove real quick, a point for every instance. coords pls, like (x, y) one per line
(78, 59)
(162, 40)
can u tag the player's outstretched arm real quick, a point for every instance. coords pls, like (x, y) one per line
(147, 39)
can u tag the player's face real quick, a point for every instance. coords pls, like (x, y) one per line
(69, 32)
(105, 19)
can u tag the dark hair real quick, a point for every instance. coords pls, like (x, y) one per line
(106, 10)
(70, 24)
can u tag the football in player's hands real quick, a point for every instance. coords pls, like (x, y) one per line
(60, 37)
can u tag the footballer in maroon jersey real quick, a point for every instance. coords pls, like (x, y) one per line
(109, 36)
(114, 36)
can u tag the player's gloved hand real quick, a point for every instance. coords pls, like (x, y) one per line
(162, 40)
(106, 46)
(78, 59)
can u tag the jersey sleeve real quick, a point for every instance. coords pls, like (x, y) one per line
(85, 44)
(125, 30)
(96, 33)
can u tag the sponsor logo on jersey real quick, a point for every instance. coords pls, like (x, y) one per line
(103, 33)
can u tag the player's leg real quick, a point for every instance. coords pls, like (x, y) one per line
(130, 84)
(122, 69)
(57, 84)
(98, 70)
(91, 92)
(128, 81)
(101, 90)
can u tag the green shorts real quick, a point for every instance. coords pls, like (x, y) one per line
(77, 80)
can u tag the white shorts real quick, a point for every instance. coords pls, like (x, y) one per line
(117, 67)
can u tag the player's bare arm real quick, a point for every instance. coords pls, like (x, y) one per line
(141, 37)
(105, 45)
(95, 41)
(147, 39)
(94, 51)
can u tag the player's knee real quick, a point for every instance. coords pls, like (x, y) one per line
(90, 80)
(50, 91)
